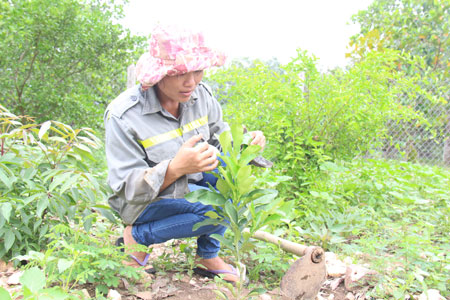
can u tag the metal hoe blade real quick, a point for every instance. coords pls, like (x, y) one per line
(305, 277)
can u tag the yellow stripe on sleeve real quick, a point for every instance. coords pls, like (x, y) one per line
(167, 136)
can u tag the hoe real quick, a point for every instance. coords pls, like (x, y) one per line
(306, 275)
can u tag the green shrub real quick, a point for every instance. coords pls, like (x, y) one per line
(240, 205)
(46, 180)
(394, 214)
(74, 257)
(310, 117)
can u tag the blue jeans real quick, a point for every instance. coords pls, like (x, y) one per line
(168, 219)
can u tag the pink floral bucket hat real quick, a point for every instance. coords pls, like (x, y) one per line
(174, 51)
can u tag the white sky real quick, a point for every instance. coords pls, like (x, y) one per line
(258, 29)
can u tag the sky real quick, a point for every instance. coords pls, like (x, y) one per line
(258, 29)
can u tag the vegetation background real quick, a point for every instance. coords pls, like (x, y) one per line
(62, 62)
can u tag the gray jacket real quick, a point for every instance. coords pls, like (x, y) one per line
(142, 138)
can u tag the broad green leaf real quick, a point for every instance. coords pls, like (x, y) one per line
(54, 293)
(256, 292)
(42, 205)
(232, 165)
(212, 214)
(106, 212)
(57, 139)
(221, 294)
(68, 183)
(44, 128)
(29, 173)
(4, 294)
(225, 142)
(245, 179)
(227, 243)
(6, 179)
(6, 209)
(206, 197)
(33, 279)
(223, 188)
(262, 196)
(2, 221)
(9, 239)
(206, 222)
(64, 264)
(237, 133)
(30, 199)
(83, 148)
(230, 210)
(246, 185)
(59, 179)
(249, 153)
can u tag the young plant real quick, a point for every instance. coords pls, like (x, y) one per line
(75, 257)
(238, 204)
(34, 287)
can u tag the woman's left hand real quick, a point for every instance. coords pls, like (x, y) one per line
(258, 138)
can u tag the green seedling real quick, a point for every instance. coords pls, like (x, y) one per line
(238, 203)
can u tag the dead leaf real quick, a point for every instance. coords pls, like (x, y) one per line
(160, 282)
(335, 283)
(145, 295)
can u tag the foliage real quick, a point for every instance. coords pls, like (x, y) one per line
(238, 204)
(46, 180)
(421, 29)
(63, 60)
(394, 214)
(74, 257)
(33, 287)
(315, 117)
(415, 26)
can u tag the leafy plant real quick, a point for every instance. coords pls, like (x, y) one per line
(34, 287)
(46, 179)
(74, 257)
(391, 214)
(239, 205)
(316, 117)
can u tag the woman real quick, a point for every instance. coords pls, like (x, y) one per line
(160, 139)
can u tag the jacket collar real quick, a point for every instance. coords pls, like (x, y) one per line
(151, 102)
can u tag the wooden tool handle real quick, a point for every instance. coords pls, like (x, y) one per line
(286, 245)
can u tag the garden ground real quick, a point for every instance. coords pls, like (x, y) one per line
(176, 285)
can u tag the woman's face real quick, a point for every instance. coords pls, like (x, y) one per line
(178, 88)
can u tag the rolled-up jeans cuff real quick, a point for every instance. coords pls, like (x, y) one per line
(136, 235)
(207, 255)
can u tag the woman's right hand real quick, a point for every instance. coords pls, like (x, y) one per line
(194, 158)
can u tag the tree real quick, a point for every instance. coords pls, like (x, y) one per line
(415, 26)
(63, 60)
(419, 28)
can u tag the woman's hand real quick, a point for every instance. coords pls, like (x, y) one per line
(258, 138)
(193, 157)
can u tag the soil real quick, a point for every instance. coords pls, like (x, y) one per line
(173, 285)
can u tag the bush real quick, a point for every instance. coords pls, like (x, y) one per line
(394, 214)
(310, 117)
(46, 180)
(74, 257)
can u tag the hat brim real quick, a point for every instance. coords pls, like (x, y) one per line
(150, 70)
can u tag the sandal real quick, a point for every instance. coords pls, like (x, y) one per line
(214, 273)
(120, 243)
